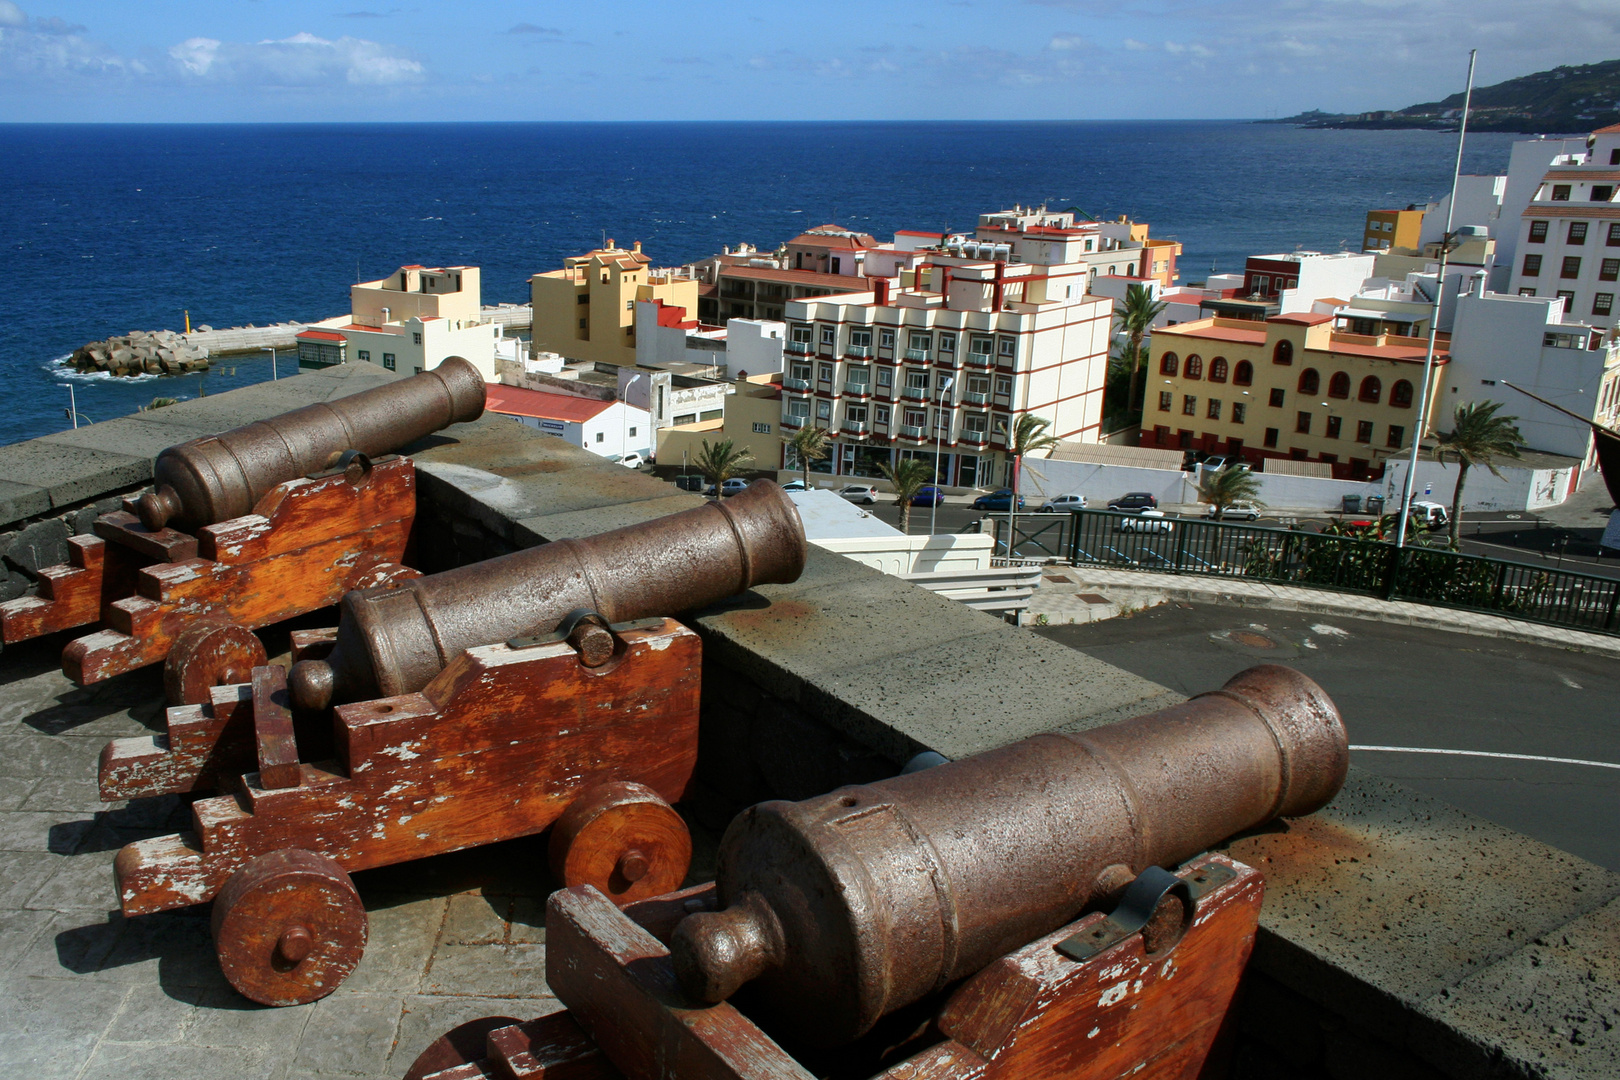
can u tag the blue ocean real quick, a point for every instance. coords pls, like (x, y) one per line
(119, 228)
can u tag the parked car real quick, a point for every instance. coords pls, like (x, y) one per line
(1429, 515)
(1216, 464)
(1000, 499)
(795, 485)
(1063, 503)
(631, 460)
(730, 487)
(864, 494)
(1146, 521)
(928, 496)
(1134, 502)
(1245, 510)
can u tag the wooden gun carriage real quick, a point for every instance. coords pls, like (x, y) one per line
(269, 521)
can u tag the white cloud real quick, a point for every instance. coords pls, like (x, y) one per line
(300, 60)
(1066, 42)
(11, 14)
(40, 50)
(1137, 46)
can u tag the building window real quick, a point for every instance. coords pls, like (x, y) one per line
(1400, 395)
(1217, 369)
(1568, 298)
(1302, 423)
(1004, 385)
(855, 414)
(1603, 303)
(1602, 192)
(916, 379)
(1283, 353)
(1309, 381)
(1614, 234)
(947, 343)
(1364, 431)
(1527, 291)
(825, 373)
(918, 342)
(1240, 412)
(1244, 375)
(1276, 397)
(980, 346)
(1333, 425)
(1538, 232)
(1396, 433)
(1560, 193)
(882, 413)
(1371, 390)
(598, 436)
(1577, 232)
(584, 298)
(1214, 410)
(1184, 439)
(633, 432)
(1195, 367)
(823, 410)
(365, 354)
(1189, 405)
(388, 361)
(1271, 438)
(886, 339)
(1532, 265)
(1166, 398)
(1009, 347)
(583, 323)
(1609, 270)
(885, 377)
(1571, 268)
(801, 334)
(829, 335)
(914, 417)
(1339, 385)
(416, 339)
(759, 429)
(860, 339)
(1168, 364)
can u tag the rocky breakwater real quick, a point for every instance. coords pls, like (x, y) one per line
(142, 352)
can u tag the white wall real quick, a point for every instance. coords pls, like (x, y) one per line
(1327, 275)
(1479, 202)
(1100, 483)
(917, 554)
(754, 346)
(615, 424)
(1526, 166)
(1518, 489)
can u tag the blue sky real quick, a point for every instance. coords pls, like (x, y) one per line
(322, 60)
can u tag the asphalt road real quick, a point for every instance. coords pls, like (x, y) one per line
(1405, 687)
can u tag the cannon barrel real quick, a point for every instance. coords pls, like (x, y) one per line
(218, 477)
(394, 640)
(842, 908)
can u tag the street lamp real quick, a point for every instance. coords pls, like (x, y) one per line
(271, 349)
(945, 385)
(624, 415)
(73, 405)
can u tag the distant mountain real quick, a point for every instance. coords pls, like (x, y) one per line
(1563, 100)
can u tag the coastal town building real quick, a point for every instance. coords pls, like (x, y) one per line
(746, 283)
(608, 428)
(587, 310)
(1398, 230)
(1291, 386)
(941, 369)
(752, 420)
(1569, 236)
(410, 321)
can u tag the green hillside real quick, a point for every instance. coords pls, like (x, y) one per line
(1563, 100)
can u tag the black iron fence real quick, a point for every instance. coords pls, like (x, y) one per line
(1319, 560)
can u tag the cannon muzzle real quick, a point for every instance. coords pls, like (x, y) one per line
(219, 477)
(840, 909)
(394, 640)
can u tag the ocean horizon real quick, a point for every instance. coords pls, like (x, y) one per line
(119, 227)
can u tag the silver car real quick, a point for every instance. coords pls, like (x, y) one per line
(1063, 503)
(1146, 521)
(860, 493)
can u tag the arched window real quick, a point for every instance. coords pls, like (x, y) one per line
(1309, 381)
(1339, 385)
(1244, 375)
(1195, 367)
(1167, 364)
(1371, 390)
(1217, 369)
(1400, 395)
(1283, 353)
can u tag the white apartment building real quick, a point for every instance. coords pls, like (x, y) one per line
(1569, 234)
(610, 429)
(949, 363)
(413, 319)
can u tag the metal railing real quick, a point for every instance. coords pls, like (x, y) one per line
(917, 355)
(911, 431)
(1349, 564)
(801, 347)
(860, 350)
(795, 384)
(973, 397)
(852, 387)
(980, 359)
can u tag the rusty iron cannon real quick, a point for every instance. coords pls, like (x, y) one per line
(978, 890)
(532, 716)
(245, 529)
(395, 640)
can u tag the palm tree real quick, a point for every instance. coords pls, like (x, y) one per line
(720, 462)
(1226, 486)
(1029, 436)
(1477, 437)
(1136, 314)
(807, 443)
(1117, 387)
(908, 478)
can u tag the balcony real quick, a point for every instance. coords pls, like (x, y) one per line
(801, 385)
(794, 421)
(803, 348)
(862, 351)
(915, 393)
(912, 431)
(975, 438)
(972, 398)
(856, 428)
(859, 389)
(980, 359)
(918, 355)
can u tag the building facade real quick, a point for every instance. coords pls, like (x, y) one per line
(1569, 237)
(1393, 229)
(587, 310)
(414, 319)
(1289, 387)
(610, 429)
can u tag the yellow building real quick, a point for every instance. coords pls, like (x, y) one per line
(587, 310)
(752, 420)
(1388, 230)
(1291, 387)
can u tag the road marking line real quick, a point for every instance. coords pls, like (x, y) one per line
(1487, 754)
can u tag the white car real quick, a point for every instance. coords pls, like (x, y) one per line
(631, 460)
(860, 493)
(1063, 503)
(1146, 521)
(1245, 510)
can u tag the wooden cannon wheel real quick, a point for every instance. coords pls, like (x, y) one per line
(623, 839)
(207, 655)
(460, 1045)
(288, 928)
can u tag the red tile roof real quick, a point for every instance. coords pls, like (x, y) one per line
(1612, 129)
(1302, 318)
(1245, 336)
(914, 232)
(321, 335)
(516, 401)
(841, 282)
